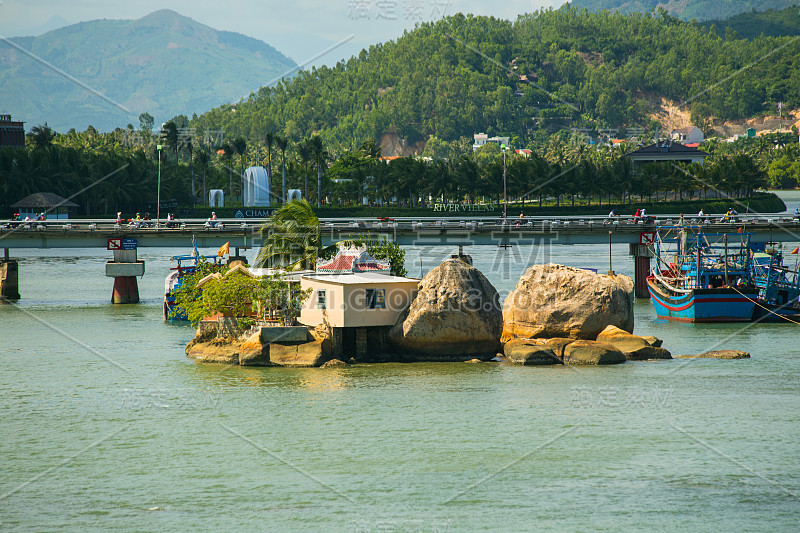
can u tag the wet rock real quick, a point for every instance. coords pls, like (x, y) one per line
(521, 353)
(558, 344)
(648, 352)
(717, 354)
(559, 301)
(583, 352)
(306, 354)
(253, 352)
(635, 347)
(334, 362)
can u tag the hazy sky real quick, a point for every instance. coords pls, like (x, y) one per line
(301, 29)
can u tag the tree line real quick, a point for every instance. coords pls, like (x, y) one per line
(546, 70)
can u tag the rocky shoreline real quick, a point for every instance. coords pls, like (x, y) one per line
(555, 315)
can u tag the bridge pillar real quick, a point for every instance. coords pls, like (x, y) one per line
(9, 278)
(641, 257)
(124, 269)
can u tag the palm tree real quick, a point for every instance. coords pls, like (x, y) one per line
(292, 239)
(269, 139)
(169, 134)
(227, 155)
(317, 154)
(304, 153)
(202, 160)
(42, 135)
(187, 145)
(282, 143)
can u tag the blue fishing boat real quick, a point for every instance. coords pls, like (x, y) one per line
(778, 285)
(186, 265)
(702, 277)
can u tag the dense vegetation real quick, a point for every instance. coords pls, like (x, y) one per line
(464, 74)
(106, 173)
(684, 9)
(771, 23)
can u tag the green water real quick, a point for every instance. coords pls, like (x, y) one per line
(106, 425)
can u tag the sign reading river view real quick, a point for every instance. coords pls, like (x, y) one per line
(465, 207)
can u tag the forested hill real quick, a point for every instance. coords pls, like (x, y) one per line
(772, 23)
(467, 74)
(685, 9)
(163, 64)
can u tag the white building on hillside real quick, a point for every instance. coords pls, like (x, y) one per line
(482, 138)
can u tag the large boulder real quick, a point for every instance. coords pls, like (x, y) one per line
(530, 352)
(559, 301)
(634, 347)
(583, 352)
(455, 315)
(218, 350)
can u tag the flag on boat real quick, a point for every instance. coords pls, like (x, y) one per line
(795, 251)
(224, 249)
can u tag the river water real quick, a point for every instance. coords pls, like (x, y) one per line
(105, 424)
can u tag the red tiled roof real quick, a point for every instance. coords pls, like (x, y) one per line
(340, 263)
(348, 262)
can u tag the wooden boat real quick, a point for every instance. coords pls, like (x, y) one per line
(705, 278)
(186, 265)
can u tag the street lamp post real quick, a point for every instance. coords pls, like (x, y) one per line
(158, 205)
(505, 197)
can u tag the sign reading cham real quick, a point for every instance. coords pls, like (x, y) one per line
(253, 213)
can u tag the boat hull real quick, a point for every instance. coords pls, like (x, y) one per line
(704, 305)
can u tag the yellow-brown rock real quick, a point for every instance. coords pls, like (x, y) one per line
(583, 352)
(253, 352)
(455, 314)
(530, 352)
(559, 301)
(306, 354)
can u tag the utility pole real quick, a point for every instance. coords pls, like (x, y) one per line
(158, 205)
(505, 197)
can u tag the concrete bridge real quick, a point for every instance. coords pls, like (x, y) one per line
(419, 231)
(431, 231)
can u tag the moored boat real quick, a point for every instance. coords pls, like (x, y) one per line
(186, 265)
(702, 277)
(778, 285)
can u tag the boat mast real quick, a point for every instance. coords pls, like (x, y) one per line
(725, 240)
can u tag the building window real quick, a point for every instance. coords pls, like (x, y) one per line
(321, 299)
(380, 298)
(376, 298)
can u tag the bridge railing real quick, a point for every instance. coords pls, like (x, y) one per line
(406, 224)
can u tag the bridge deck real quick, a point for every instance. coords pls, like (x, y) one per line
(417, 231)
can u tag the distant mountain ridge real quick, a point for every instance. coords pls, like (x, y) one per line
(164, 64)
(770, 23)
(685, 9)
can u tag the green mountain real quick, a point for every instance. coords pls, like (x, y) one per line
(771, 23)
(546, 70)
(685, 9)
(164, 64)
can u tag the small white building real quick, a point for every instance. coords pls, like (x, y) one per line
(355, 295)
(687, 135)
(482, 138)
